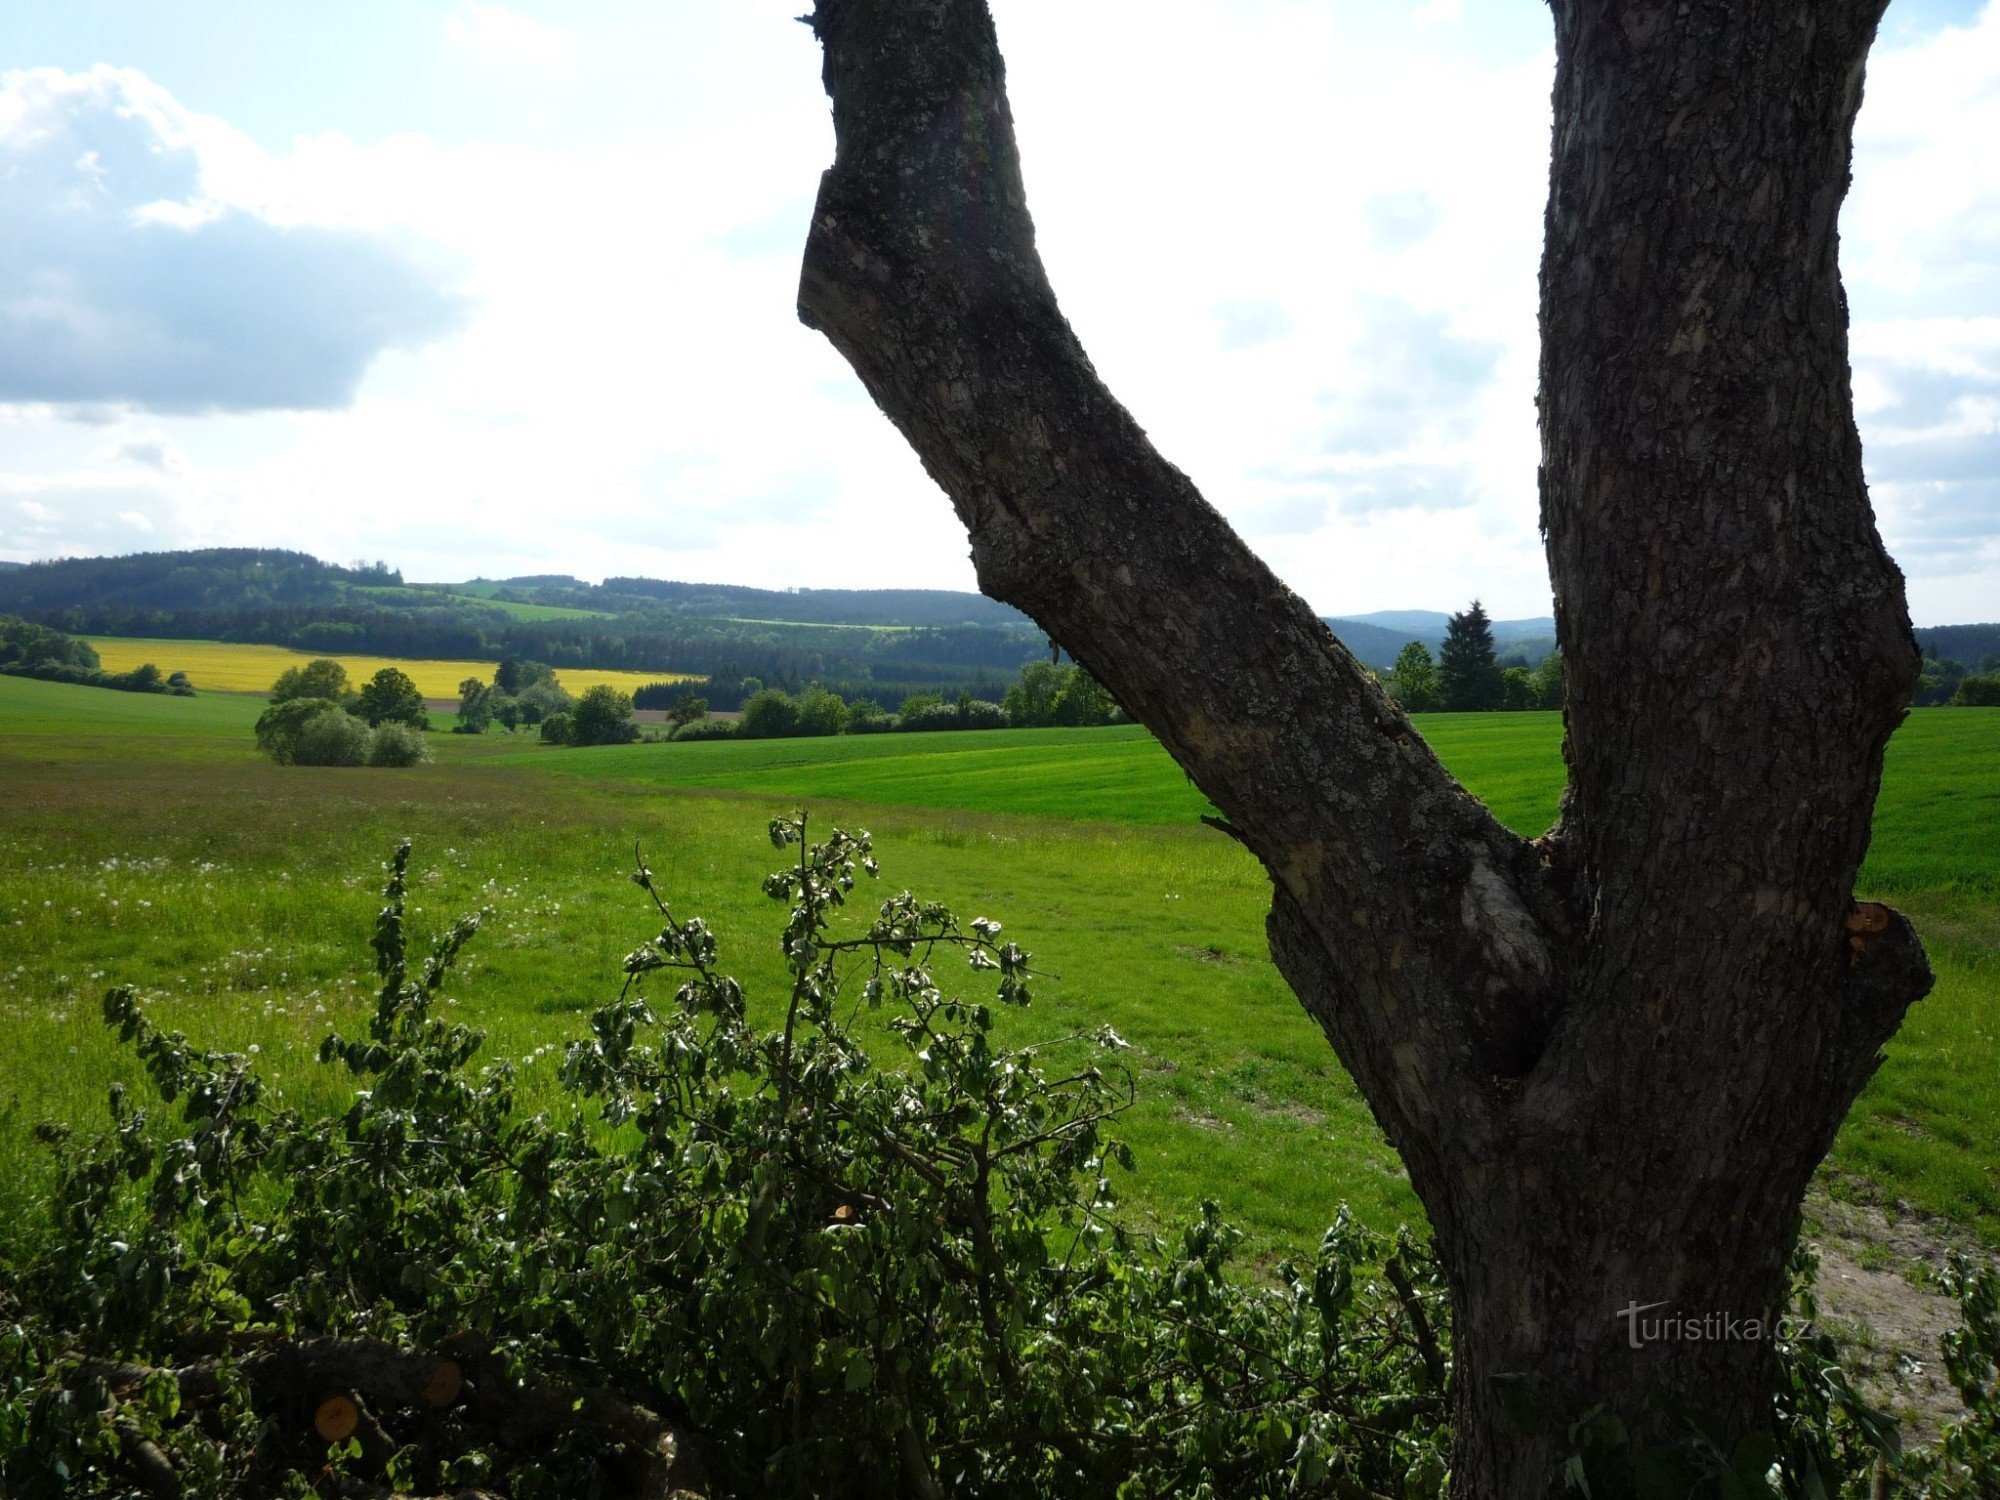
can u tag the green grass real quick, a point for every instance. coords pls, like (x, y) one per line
(142, 840)
(418, 594)
(521, 610)
(809, 624)
(1095, 775)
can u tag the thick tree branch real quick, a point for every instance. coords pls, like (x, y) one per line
(921, 268)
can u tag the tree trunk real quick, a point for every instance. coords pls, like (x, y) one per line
(1613, 1056)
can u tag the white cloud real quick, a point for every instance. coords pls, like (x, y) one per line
(1920, 250)
(123, 280)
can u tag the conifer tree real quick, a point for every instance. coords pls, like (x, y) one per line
(1467, 676)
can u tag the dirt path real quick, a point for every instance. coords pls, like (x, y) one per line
(1879, 1296)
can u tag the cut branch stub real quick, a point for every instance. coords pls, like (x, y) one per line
(1868, 919)
(446, 1381)
(335, 1418)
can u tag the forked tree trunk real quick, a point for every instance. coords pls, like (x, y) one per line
(1611, 1057)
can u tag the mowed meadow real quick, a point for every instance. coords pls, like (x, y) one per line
(146, 842)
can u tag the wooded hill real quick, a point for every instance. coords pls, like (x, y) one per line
(877, 643)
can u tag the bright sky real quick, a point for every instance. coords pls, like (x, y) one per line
(503, 288)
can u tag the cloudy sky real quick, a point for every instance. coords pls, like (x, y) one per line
(501, 288)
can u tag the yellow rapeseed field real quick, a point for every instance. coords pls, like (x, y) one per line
(241, 667)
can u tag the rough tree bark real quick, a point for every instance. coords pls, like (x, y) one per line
(1612, 1056)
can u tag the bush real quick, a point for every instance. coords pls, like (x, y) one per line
(934, 716)
(24, 647)
(333, 737)
(50, 656)
(556, 729)
(865, 716)
(540, 698)
(706, 729)
(840, 1273)
(821, 713)
(602, 716)
(318, 732)
(769, 714)
(398, 745)
(1977, 692)
(840, 1276)
(966, 713)
(279, 725)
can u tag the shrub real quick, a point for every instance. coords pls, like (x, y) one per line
(769, 714)
(556, 729)
(602, 716)
(706, 729)
(931, 717)
(24, 646)
(1978, 692)
(333, 737)
(841, 1276)
(50, 656)
(967, 713)
(279, 725)
(821, 713)
(398, 745)
(540, 698)
(865, 716)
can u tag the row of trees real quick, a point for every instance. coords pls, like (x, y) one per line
(1047, 694)
(526, 695)
(727, 652)
(1947, 682)
(31, 650)
(522, 694)
(1466, 676)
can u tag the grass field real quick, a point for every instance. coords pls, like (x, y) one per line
(245, 667)
(145, 842)
(814, 625)
(420, 594)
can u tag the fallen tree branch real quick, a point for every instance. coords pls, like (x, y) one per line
(345, 1385)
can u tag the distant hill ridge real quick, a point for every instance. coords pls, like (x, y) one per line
(222, 582)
